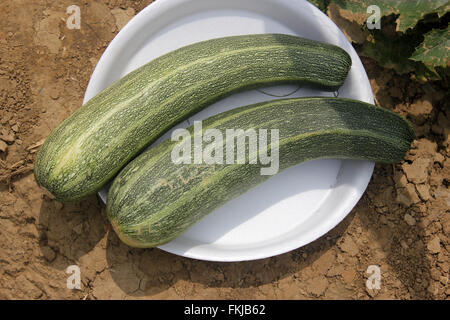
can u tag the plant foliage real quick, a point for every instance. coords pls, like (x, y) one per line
(414, 34)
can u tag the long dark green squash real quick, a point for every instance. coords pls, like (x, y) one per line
(153, 200)
(96, 141)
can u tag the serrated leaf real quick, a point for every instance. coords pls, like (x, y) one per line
(412, 12)
(380, 48)
(409, 12)
(434, 51)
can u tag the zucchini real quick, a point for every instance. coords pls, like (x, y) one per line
(153, 200)
(88, 149)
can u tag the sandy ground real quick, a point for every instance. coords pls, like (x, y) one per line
(401, 224)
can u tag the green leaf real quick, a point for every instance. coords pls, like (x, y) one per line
(409, 12)
(379, 46)
(434, 51)
(412, 12)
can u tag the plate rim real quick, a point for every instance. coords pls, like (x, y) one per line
(198, 252)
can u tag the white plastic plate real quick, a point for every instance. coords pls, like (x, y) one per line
(294, 207)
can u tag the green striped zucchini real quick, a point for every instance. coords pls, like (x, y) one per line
(95, 142)
(153, 200)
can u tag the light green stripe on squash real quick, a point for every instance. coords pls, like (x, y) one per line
(153, 200)
(97, 140)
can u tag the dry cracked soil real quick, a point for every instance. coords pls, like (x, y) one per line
(401, 224)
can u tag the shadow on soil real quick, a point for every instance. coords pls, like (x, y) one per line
(70, 230)
(73, 230)
(153, 270)
(146, 272)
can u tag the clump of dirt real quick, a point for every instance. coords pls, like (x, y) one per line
(401, 225)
